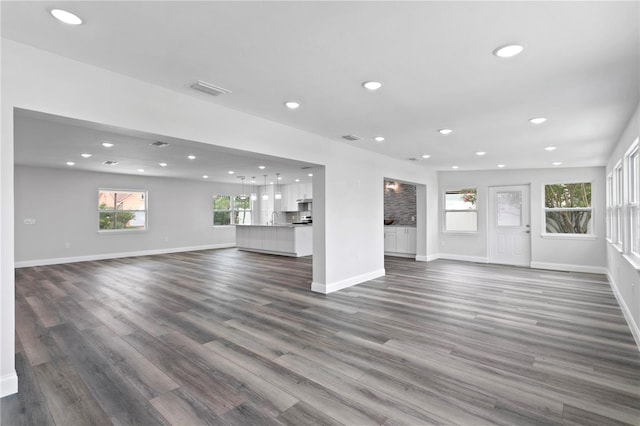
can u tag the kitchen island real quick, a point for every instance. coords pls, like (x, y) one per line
(284, 240)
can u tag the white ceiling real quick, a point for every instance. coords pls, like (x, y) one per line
(51, 141)
(580, 68)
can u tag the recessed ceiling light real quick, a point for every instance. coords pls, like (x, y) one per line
(231, 172)
(292, 105)
(537, 120)
(508, 51)
(310, 175)
(191, 157)
(445, 131)
(454, 167)
(85, 155)
(557, 163)
(481, 153)
(205, 177)
(279, 177)
(107, 144)
(141, 170)
(501, 165)
(70, 163)
(297, 180)
(426, 156)
(378, 138)
(550, 148)
(271, 183)
(372, 85)
(163, 164)
(66, 17)
(261, 167)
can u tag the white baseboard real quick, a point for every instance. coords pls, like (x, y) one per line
(8, 384)
(427, 258)
(477, 259)
(635, 330)
(339, 285)
(569, 267)
(60, 260)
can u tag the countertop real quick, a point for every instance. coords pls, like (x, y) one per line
(393, 225)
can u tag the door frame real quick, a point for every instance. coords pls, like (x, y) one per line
(490, 229)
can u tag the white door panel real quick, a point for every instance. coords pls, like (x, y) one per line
(509, 229)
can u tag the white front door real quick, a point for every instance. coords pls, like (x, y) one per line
(509, 227)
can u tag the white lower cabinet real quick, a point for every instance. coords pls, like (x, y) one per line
(400, 240)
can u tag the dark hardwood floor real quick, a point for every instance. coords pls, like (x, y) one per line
(237, 338)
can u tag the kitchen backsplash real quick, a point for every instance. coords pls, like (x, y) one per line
(400, 203)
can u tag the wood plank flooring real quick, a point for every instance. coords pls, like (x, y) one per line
(223, 337)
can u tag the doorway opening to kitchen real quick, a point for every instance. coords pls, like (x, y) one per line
(404, 212)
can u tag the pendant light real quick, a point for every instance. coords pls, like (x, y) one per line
(242, 195)
(265, 194)
(254, 195)
(278, 194)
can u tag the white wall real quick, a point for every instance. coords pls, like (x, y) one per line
(624, 277)
(63, 202)
(553, 253)
(348, 248)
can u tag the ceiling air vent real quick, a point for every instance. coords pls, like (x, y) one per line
(110, 163)
(351, 137)
(414, 159)
(159, 144)
(209, 88)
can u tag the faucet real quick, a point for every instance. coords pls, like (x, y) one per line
(274, 215)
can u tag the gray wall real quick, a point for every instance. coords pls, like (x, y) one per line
(623, 275)
(400, 203)
(558, 253)
(64, 204)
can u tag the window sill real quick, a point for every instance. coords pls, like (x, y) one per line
(224, 226)
(618, 247)
(633, 260)
(587, 237)
(121, 231)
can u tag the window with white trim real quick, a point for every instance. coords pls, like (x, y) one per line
(568, 208)
(460, 210)
(610, 207)
(633, 164)
(231, 211)
(120, 209)
(618, 185)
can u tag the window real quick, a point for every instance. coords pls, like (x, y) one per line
(221, 210)
(633, 163)
(568, 208)
(122, 210)
(460, 210)
(610, 207)
(618, 184)
(228, 211)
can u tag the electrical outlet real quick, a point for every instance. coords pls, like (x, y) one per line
(67, 245)
(29, 221)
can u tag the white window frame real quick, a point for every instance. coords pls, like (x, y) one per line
(618, 202)
(445, 211)
(632, 161)
(609, 217)
(146, 211)
(232, 210)
(589, 235)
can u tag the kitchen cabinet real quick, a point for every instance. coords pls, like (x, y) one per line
(284, 240)
(292, 193)
(400, 241)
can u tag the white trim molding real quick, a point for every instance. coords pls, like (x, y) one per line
(462, 257)
(60, 260)
(8, 384)
(339, 285)
(635, 330)
(569, 268)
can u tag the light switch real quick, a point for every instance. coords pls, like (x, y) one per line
(29, 221)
